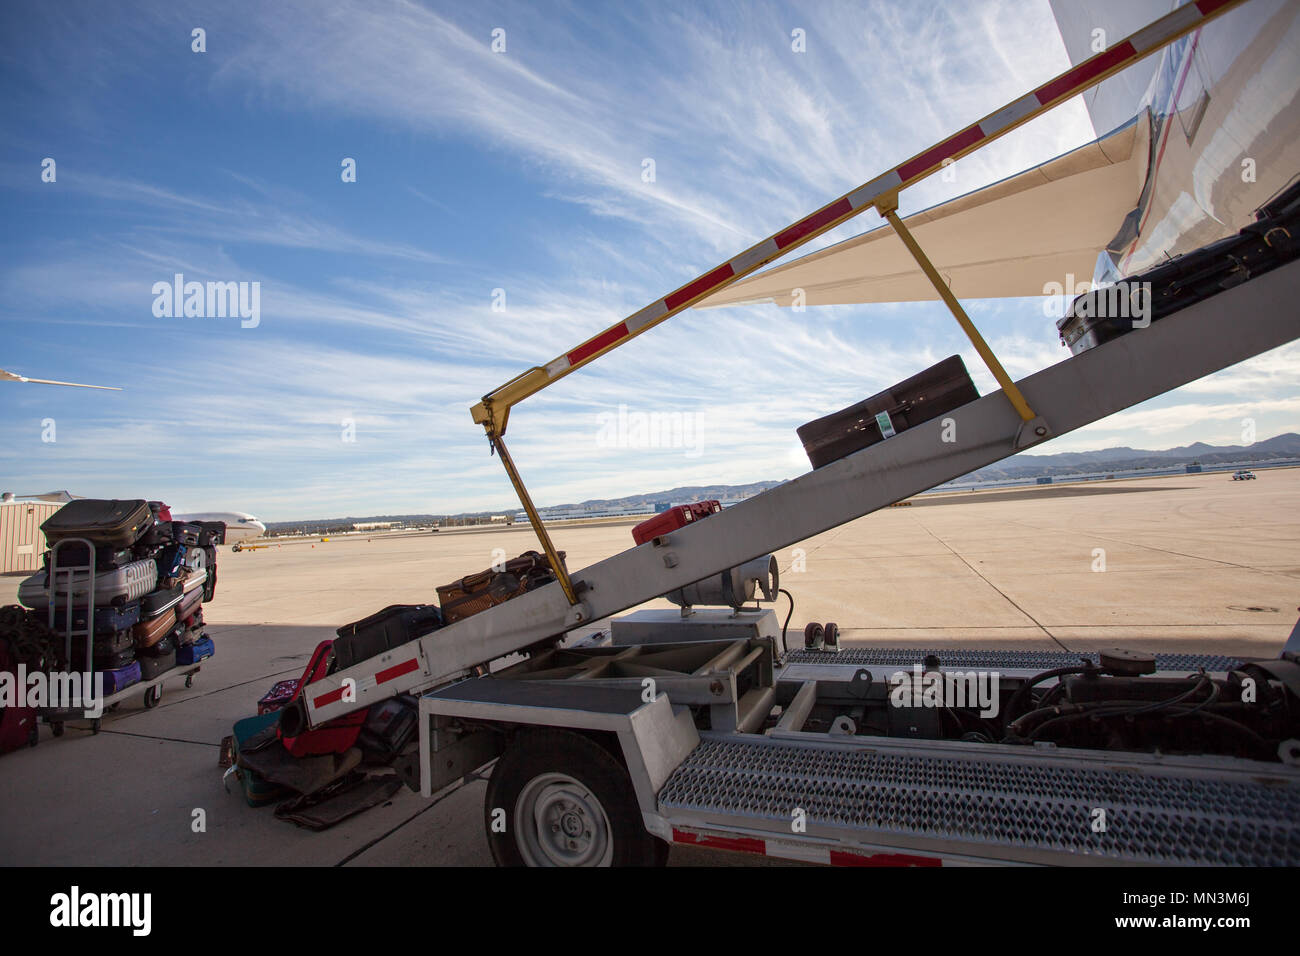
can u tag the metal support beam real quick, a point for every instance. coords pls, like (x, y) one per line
(536, 521)
(890, 211)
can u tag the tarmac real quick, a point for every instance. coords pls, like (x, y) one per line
(1196, 563)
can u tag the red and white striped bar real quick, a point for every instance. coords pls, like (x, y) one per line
(823, 854)
(323, 698)
(1150, 38)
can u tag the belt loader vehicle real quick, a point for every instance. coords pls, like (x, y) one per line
(708, 728)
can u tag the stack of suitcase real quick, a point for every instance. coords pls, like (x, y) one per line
(151, 577)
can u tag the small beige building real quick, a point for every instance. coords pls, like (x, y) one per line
(21, 540)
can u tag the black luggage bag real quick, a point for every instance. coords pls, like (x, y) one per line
(924, 396)
(107, 557)
(1107, 313)
(157, 659)
(211, 533)
(186, 533)
(108, 620)
(390, 725)
(112, 523)
(393, 626)
(109, 651)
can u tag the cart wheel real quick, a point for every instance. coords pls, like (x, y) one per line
(565, 801)
(152, 696)
(813, 635)
(57, 728)
(34, 735)
(94, 727)
(113, 707)
(832, 636)
(189, 680)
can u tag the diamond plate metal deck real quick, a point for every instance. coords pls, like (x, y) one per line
(1027, 810)
(991, 660)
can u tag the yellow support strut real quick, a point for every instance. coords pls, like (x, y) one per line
(890, 212)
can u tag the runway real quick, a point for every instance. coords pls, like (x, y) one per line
(1195, 563)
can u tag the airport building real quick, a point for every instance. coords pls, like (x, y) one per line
(21, 539)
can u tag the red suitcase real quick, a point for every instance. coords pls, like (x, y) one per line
(674, 518)
(17, 724)
(332, 737)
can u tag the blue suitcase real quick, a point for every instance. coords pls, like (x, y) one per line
(257, 791)
(200, 650)
(121, 678)
(107, 619)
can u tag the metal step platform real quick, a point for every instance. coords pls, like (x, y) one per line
(1023, 806)
(950, 657)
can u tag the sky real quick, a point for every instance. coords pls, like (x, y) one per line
(501, 213)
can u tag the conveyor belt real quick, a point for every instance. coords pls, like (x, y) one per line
(992, 660)
(982, 806)
(1238, 323)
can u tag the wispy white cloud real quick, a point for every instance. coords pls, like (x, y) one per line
(399, 340)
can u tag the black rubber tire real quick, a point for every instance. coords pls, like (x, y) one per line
(56, 728)
(812, 635)
(95, 725)
(831, 635)
(536, 752)
(152, 696)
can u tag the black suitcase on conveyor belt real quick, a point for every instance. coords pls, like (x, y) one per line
(102, 522)
(924, 396)
(1107, 313)
(382, 631)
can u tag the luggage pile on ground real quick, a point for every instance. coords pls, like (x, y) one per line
(324, 774)
(141, 591)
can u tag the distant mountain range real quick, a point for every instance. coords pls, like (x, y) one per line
(1126, 459)
(1019, 466)
(675, 496)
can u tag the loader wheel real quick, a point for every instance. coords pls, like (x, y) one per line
(557, 798)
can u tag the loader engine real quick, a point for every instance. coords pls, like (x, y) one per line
(1250, 714)
(1114, 704)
